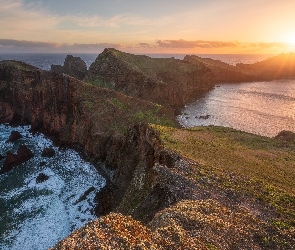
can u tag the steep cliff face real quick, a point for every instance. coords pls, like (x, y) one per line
(76, 113)
(166, 81)
(278, 67)
(93, 118)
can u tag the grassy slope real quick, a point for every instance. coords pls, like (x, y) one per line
(258, 166)
(116, 112)
(153, 66)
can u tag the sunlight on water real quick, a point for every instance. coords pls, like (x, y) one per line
(263, 108)
(38, 215)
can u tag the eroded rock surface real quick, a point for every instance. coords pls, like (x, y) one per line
(48, 152)
(14, 136)
(12, 160)
(41, 178)
(73, 66)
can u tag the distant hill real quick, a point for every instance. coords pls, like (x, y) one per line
(281, 66)
(166, 81)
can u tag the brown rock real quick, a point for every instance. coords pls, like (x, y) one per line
(24, 154)
(14, 136)
(12, 160)
(73, 66)
(285, 136)
(41, 178)
(48, 152)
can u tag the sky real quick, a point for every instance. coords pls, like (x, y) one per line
(154, 26)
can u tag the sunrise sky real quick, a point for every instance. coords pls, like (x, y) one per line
(154, 26)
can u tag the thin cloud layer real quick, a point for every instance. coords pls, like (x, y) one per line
(11, 46)
(183, 44)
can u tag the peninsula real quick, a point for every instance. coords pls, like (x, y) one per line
(171, 188)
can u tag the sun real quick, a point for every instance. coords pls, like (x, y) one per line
(290, 39)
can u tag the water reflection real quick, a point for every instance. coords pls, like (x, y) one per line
(263, 108)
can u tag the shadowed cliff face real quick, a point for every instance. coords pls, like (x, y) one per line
(166, 81)
(278, 67)
(73, 66)
(94, 119)
(76, 113)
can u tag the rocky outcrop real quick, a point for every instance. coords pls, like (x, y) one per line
(41, 178)
(73, 66)
(48, 152)
(285, 135)
(12, 160)
(166, 81)
(277, 67)
(14, 136)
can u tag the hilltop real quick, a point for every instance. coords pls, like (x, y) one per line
(166, 81)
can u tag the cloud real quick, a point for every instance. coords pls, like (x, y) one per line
(115, 22)
(144, 45)
(10, 45)
(183, 44)
(21, 21)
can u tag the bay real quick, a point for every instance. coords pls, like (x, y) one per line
(263, 108)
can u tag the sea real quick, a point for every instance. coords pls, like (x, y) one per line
(37, 215)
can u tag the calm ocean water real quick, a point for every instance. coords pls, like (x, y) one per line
(263, 108)
(37, 216)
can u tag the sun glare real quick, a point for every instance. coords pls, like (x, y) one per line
(290, 39)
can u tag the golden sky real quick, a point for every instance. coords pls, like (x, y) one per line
(137, 26)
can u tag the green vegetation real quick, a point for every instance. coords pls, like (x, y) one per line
(253, 165)
(119, 104)
(101, 83)
(117, 112)
(20, 65)
(152, 116)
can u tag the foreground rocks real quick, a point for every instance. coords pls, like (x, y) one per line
(41, 178)
(12, 160)
(14, 136)
(48, 152)
(187, 225)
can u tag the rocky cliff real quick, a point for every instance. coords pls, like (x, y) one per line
(73, 66)
(277, 67)
(76, 113)
(166, 81)
(184, 202)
